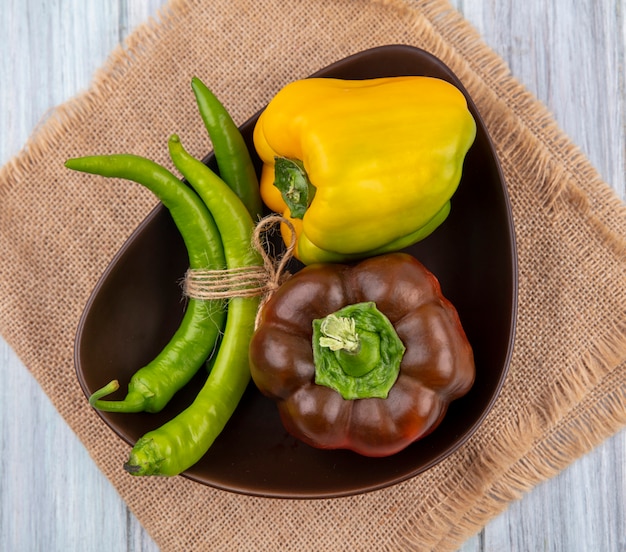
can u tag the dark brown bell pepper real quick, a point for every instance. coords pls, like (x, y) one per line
(364, 357)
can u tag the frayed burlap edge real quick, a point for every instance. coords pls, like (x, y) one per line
(532, 447)
(58, 121)
(538, 444)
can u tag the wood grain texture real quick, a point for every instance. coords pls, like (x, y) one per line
(569, 53)
(52, 495)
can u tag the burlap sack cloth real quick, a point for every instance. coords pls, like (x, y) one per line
(566, 391)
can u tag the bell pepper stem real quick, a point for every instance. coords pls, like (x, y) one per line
(133, 402)
(357, 352)
(339, 333)
(291, 179)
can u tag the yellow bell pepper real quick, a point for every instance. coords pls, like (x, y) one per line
(362, 167)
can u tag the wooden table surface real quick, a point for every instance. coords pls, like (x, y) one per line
(570, 53)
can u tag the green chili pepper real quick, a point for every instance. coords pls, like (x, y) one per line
(153, 385)
(182, 441)
(232, 155)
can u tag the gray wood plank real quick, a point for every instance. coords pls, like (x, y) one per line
(570, 54)
(52, 495)
(580, 510)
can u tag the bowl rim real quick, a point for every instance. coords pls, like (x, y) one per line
(458, 442)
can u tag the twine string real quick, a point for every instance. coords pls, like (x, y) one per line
(246, 281)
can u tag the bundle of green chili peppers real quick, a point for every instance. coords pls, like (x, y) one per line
(216, 216)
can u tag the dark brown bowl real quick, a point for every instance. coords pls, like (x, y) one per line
(137, 305)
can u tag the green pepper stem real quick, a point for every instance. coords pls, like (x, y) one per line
(133, 402)
(339, 334)
(357, 352)
(291, 179)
